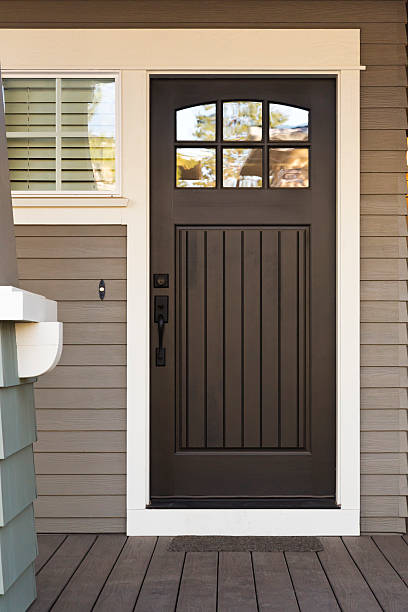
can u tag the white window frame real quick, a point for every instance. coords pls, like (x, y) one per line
(56, 194)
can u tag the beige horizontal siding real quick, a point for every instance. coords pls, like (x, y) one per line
(381, 140)
(384, 290)
(81, 484)
(95, 333)
(81, 525)
(77, 290)
(384, 463)
(377, 355)
(80, 463)
(81, 420)
(384, 398)
(80, 398)
(383, 525)
(93, 355)
(384, 274)
(394, 204)
(212, 13)
(80, 456)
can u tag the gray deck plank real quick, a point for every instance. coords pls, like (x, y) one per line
(352, 591)
(161, 584)
(385, 583)
(52, 579)
(47, 545)
(273, 584)
(236, 588)
(312, 588)
(123, 585)
(84, 587)
(395, 550)
(198, 588)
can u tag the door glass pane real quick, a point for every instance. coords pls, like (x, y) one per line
(196, 123)
(289, 167)
(242, 168)
(288, 123)
(242, 121)
(195, 167)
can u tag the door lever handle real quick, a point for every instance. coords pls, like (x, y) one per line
(160, 351)
(161, 317)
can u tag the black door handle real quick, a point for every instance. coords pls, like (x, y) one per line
(161, 317)
(160, 351)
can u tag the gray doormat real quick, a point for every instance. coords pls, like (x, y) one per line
(245, 544)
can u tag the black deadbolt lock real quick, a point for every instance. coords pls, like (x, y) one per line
(161, 281)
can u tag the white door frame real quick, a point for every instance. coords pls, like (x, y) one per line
(137, 54)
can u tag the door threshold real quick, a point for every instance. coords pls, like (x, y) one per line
(242, 503)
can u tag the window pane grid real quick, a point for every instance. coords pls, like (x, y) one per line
(256, 144)
(82, 127)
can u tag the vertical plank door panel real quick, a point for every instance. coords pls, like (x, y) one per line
(214, 338)
(195, 339)
(233, 339)
(289, 338)
(270, 338)
(251, 338)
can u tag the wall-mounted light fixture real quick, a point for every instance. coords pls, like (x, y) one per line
(102, 289)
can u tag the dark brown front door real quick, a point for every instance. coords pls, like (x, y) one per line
(243, 292)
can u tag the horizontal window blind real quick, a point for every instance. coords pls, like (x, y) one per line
(61, 134)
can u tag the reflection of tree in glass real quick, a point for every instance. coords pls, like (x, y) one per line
(276, 118)
(101, 145)
(242, 120)
(195, 169)
(205, 123)
(242, 167)
(292, 125)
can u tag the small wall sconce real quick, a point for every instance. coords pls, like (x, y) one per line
(102, 289)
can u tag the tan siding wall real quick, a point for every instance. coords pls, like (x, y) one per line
(384, 270)
(384, 285)
(81, 406)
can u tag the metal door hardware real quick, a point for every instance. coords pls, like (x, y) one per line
(161, 317)
(161, 281)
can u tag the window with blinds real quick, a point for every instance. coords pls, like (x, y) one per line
(61, 134)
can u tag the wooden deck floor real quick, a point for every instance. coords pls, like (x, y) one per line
(114, 573)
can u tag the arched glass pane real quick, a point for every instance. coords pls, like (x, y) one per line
(289, 167)
(196, 123)
(242, 121)
(195, 167)
(288, 123)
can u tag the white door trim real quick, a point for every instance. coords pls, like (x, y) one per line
(136, 53)
(346, 519)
